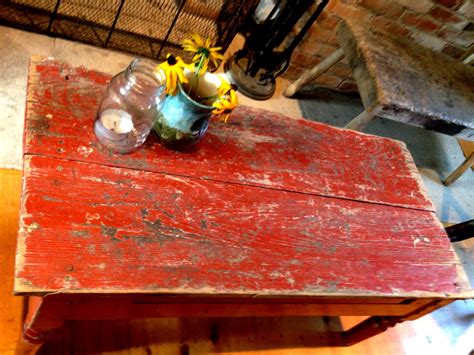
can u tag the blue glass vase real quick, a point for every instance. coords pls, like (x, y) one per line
(182, 121)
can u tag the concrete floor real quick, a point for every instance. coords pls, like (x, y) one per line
(17, 46)
(436, 155)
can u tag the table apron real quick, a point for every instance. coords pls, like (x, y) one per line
(109, 308)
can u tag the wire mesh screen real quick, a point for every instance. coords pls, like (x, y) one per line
(149, 28)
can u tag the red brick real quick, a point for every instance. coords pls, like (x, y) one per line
(387, 8)
(424, 23)
(304, 59)
(444, 15)
(348, 86)
(293, 72)
(448, 33)
(389, 26)
(453, 51)
(452, 4)
(410, 18)
(329, 80)
(328, 22)
(323, 35)
(313, 47)
(428, 25)
(354, 12)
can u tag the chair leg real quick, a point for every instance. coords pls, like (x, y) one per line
(310, 75)
(456, 174)
(361, 121)
(461, 231)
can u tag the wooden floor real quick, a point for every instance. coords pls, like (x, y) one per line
(447, 331)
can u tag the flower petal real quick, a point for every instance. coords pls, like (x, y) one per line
(197, 39)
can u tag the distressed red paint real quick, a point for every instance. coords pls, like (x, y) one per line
(301, 218)
(265, 205)
(257, 148)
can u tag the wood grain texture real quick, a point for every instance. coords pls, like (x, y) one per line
(187, 235)
(268, 206)
(441, 331)
(257, 148)
(405, 82)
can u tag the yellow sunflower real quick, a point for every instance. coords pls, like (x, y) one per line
(225, 105)
(173, 68)
(225, 87)
(204, 51)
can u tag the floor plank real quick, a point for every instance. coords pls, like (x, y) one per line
(447, 331)
(11, 307)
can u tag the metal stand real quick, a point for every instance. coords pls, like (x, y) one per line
(254, 68)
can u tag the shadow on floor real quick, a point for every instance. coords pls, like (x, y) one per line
(193, 335)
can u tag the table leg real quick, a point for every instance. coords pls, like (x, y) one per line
(368, 328)
(378, 324)
(42, 317)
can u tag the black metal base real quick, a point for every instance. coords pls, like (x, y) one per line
(247, 85)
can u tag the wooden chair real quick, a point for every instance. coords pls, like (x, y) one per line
(405, 82)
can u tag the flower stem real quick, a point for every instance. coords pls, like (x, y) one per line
(194, 82)
(212, 97)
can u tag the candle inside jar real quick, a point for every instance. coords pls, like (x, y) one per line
(117, 121)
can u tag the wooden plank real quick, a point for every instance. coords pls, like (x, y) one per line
(390, 84)
(257, 148)
(192, 236)
(11, 307)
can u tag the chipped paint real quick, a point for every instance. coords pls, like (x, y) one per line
(85, 151)
(284, 218)
(92, 216)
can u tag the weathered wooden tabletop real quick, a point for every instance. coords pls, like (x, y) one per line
(265, 205)
(405, 82)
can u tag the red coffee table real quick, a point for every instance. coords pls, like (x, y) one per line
(268, 216)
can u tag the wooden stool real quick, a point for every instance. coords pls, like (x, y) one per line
(403, 81)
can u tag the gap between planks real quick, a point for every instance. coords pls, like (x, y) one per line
(230, 182)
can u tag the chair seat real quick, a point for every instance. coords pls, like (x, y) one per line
(405, 82)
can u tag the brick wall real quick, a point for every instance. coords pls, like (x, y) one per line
(442, 25)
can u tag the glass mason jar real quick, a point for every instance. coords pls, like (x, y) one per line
(130, 106)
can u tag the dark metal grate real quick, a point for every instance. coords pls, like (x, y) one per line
(149, 28)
